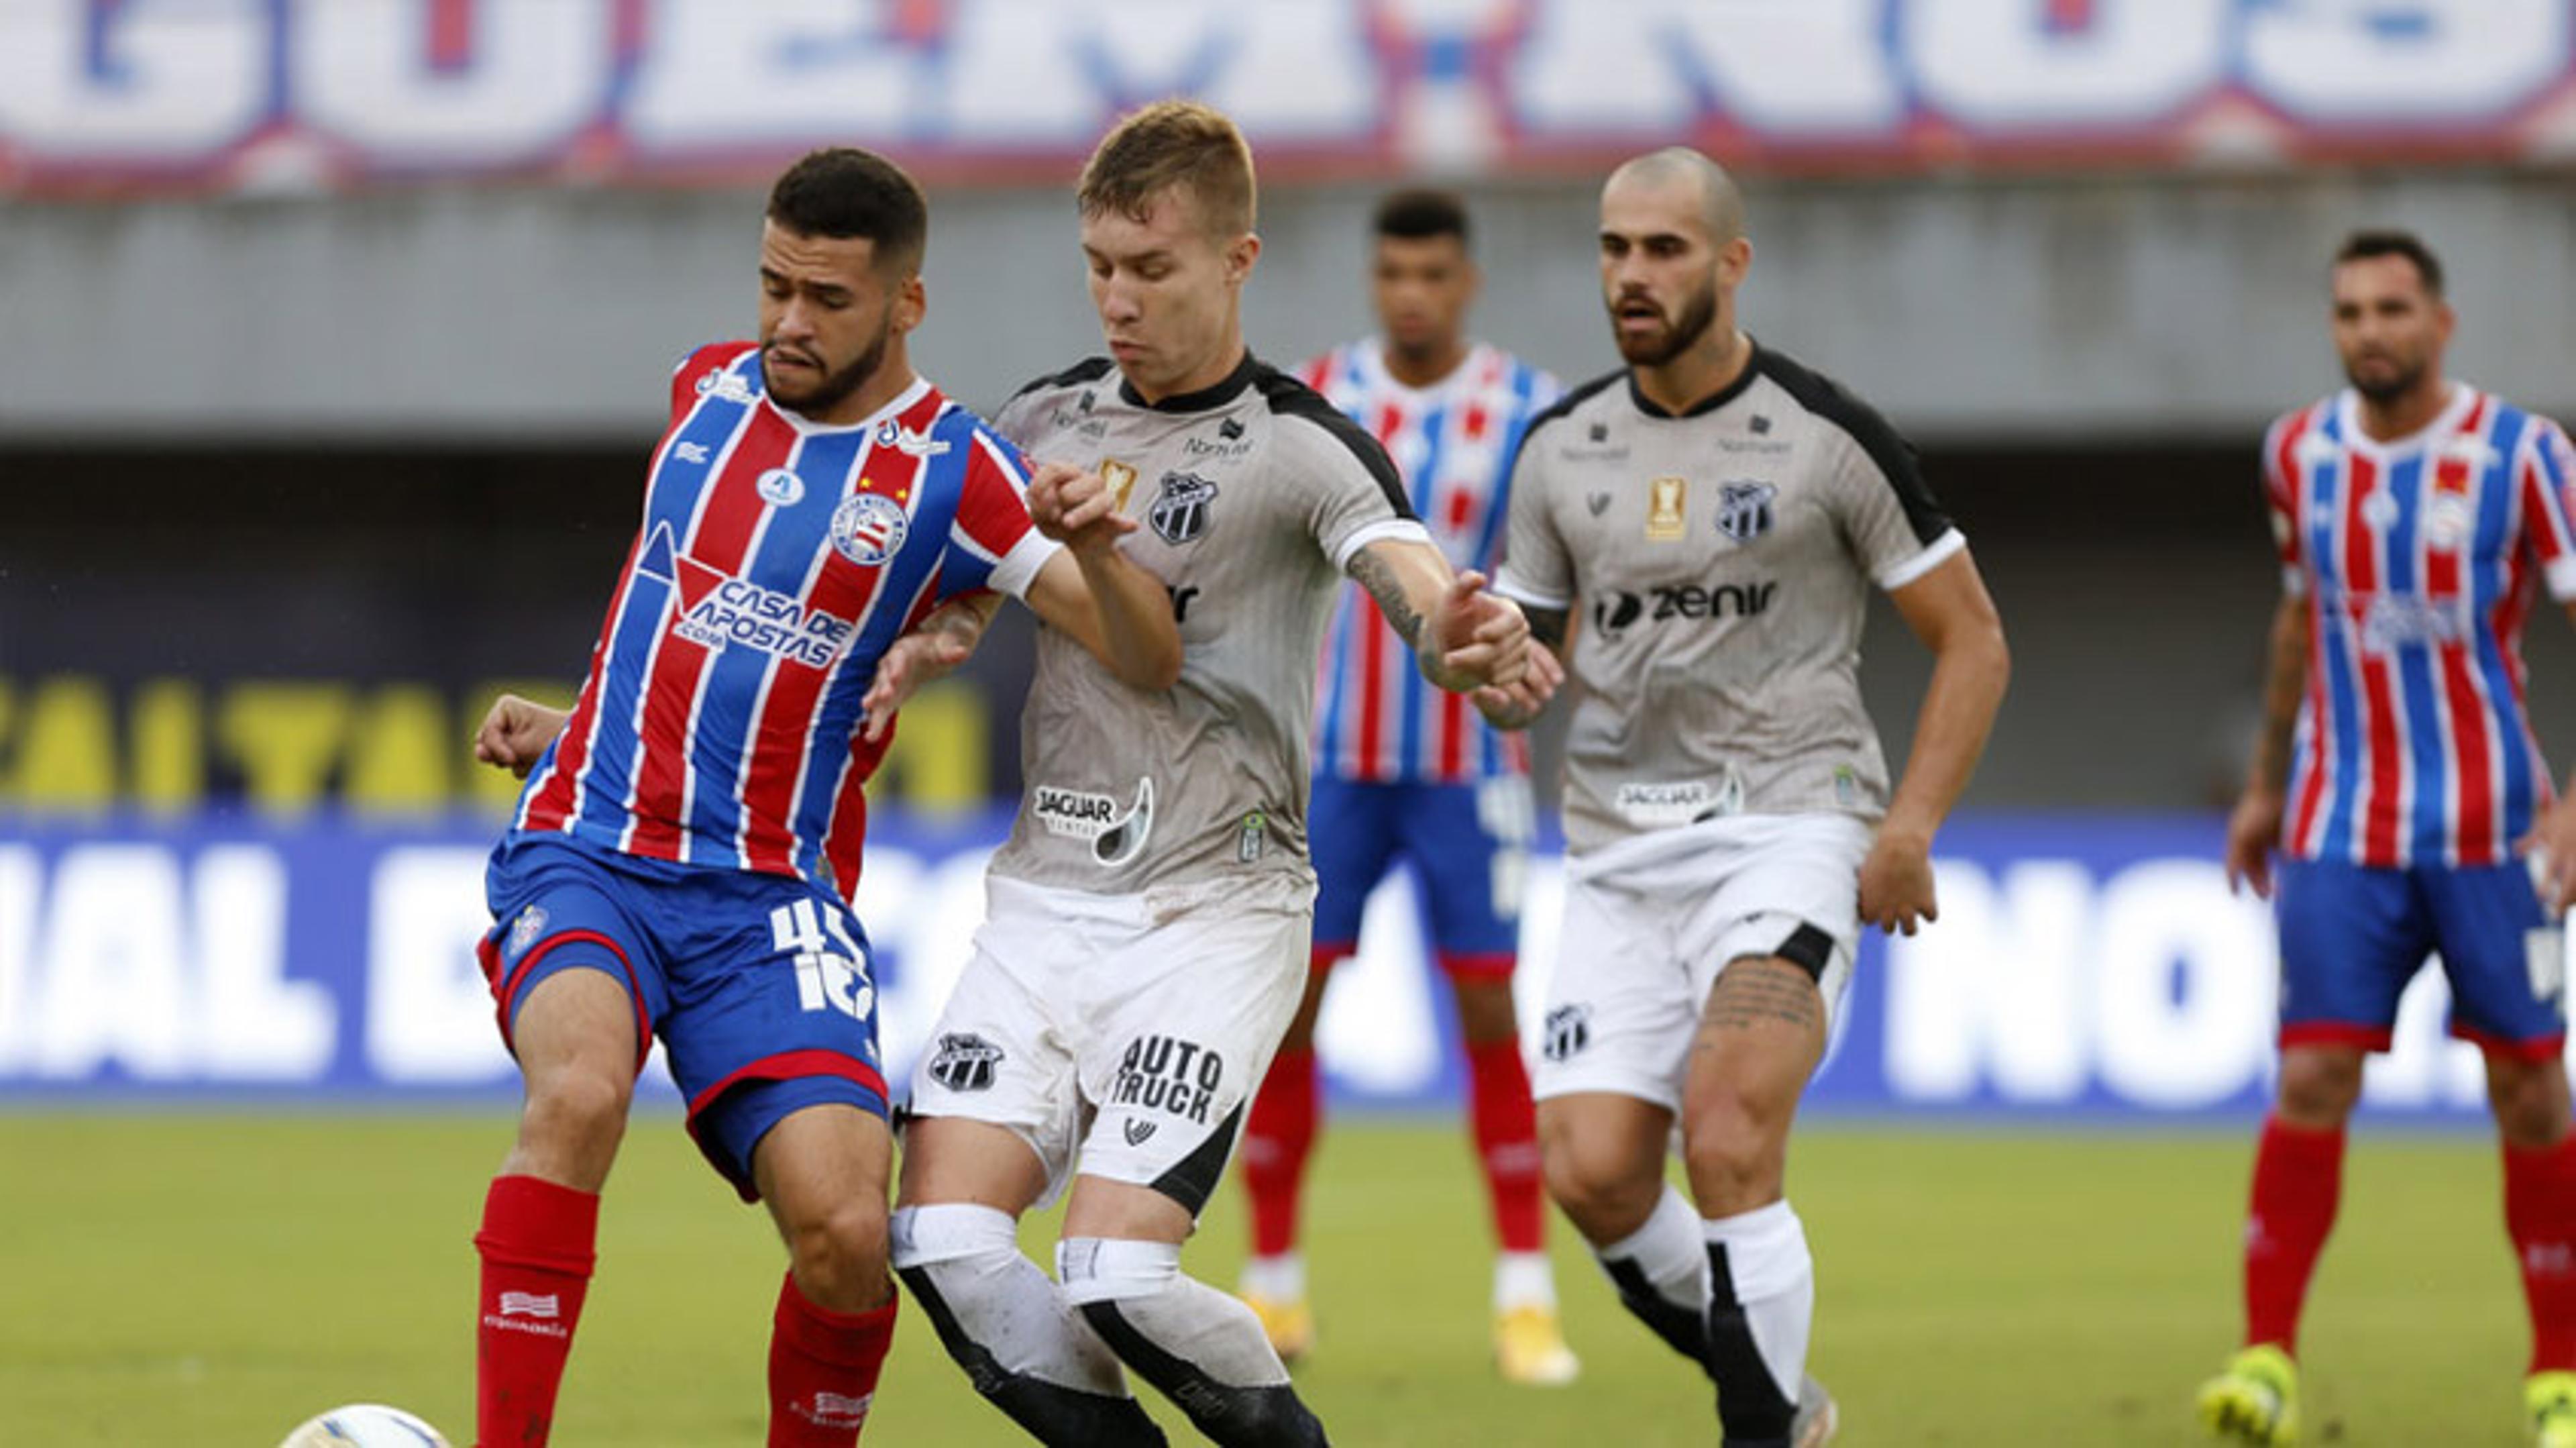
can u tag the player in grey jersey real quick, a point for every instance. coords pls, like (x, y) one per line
(1716, 514)
(1147, 937)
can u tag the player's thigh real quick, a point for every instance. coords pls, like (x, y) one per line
(953, 1159)
(574, 963)
(1778, 888)
(1469, 845)
(825, 1168)
(1619, 1008)
(774, 1012)
(1760, 1035)
(998, 1058)
(1179, 1026)
(2351, 938)
(2505, 958)
(1351, 838)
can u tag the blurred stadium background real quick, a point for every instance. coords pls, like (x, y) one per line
(333, 334)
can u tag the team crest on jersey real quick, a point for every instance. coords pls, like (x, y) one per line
(1664, 498)
(868, 529)
(1744, 509)
(1180, 510)
(781, 488)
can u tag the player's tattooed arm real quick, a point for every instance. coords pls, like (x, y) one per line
(1519, 706)
(1462, 636)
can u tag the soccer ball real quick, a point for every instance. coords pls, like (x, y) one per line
(365, 1425)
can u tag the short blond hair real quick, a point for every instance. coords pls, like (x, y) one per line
(1167, 145)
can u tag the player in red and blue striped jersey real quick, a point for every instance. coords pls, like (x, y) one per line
(682, 856)
(1406, 773)
(2416, 519)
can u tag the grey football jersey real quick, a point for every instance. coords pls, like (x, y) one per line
(1254, 495)
(1721, 562)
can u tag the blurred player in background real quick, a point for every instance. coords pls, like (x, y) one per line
(2397, 776)
(683, 848)
(1149, 920)
(1408, 774)
(1718, 512)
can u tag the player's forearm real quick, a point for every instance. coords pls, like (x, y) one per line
(961, 620)
(2285, 681)
(1971, 669)
(1407, 591)
(1139, 642)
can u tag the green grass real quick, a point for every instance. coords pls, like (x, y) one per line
(211, 1279)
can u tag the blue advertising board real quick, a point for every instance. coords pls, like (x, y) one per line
(2083, 965)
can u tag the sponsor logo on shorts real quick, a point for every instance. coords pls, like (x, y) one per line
(1138, 1131)
(1744, 509)
(1180, 510)
(1569, 1030)
(965, 1062)
(1650, 803)
(1170, 1075)
(1077, 814)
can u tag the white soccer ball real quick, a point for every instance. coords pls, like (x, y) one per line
(365, 1425)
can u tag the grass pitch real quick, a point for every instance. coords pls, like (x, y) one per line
(211, 1279)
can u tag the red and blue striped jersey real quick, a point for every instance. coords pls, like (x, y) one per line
(2419, 561)
(1377, 721)
(776, 561)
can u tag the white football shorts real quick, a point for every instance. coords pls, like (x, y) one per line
(1651, 921)
(1120, 1035)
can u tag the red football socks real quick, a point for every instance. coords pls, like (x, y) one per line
(2540, 1216)
(1506, 1129)
(2298, 1175)
(536, 1246)
(1278, 1135)
(823, 1369)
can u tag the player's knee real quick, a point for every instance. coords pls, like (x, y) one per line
(1599, 1191)
(576, 1110)
(2319, 1088)
(839, 1255)
(1735, 1156)
(2530, 1101)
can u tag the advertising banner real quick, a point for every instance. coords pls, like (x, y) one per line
(303, 95)
(2083, 965)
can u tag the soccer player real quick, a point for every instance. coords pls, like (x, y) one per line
(682, 849)
(1405, 773)
(1717, 512)
(1149, 916)
(2397, 776)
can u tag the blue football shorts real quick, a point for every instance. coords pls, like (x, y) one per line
(1467, 844)
(2352, 936)
(759, 985)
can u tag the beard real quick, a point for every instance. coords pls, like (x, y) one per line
(2389, 386)
(836, 387)
(1699, 312)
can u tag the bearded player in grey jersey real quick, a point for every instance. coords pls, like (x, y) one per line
(1147, 937)
(1717, 513)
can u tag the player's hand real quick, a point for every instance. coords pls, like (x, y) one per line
(1896, 882)
(516, 732)
(1517, 705)
(2551, 849)
(1076, 508)
(909, 662)
(1478, 634)
(2253, 833)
